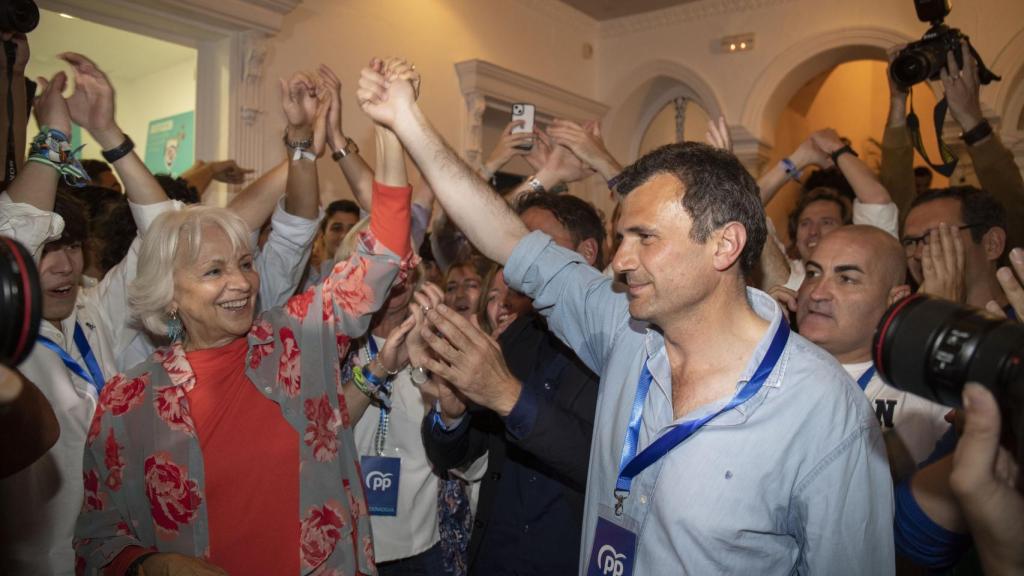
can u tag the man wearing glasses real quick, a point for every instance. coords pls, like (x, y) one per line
(954, 239)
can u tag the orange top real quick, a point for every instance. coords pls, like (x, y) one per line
(251, 464)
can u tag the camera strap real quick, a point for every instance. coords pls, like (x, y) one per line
(949, 158)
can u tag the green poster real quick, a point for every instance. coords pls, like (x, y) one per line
(170, 144)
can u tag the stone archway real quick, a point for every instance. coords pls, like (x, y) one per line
(643, 94)
(798, 64)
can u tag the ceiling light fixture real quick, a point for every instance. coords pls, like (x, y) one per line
(738, 43)
(68, 16)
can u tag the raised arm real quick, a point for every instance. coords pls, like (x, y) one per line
(36, 184)
(806, 154)
(357, 172)
(997, 171)
(201, 174)
(482, 215)
(896, 172)
(863, 181)
(255, 203)
(587, 144)
(92, 108)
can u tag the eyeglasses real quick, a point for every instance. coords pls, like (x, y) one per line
(910, 242)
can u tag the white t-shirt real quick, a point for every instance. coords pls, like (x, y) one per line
(414, 529)
(919, 423)
(884, 216)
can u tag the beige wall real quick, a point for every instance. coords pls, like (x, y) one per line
(434, 34)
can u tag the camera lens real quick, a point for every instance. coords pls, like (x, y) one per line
(911, 67)
(931, 348)
(20, 302)
(19, 16)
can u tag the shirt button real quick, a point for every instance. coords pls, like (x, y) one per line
(547, 386)
(526, 529)
(643, 499)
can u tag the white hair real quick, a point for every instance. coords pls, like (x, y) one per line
(174, 239)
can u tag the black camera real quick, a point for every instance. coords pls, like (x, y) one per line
(932, 347)
(21, 302)
(926, 58)
(20, 16)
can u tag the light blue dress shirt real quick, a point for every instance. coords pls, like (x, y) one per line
(795, 480)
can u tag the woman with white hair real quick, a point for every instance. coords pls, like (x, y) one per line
(199, 460)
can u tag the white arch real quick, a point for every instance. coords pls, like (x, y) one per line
(646, 90)
(798, 64)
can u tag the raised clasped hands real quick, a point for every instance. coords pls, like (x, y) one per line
(305, 105)
(388, 88)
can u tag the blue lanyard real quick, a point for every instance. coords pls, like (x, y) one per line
(866, 377)
(632, 464)
(94, 376)
(383, 420)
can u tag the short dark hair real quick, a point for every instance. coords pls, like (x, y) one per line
(717, 190)
(95, 167)
(178, 188)
(829, 178)
(977, 207)
(346, 206)
(823, 194)
(578, 216)
(74, 214)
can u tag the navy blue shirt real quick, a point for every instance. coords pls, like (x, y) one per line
(529, 516)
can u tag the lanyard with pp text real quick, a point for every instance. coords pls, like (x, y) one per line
(866, 377)
(631, 464)
(94, 375)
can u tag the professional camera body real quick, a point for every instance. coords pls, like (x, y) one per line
(926, 58)
(931, 348)
(21, 302)
(21, 16)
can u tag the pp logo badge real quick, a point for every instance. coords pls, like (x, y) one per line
(610, 562)
(381, 477)
(379, 481)
(613, 550)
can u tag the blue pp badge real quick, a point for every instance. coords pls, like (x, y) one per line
(614, 547)
(380, 480)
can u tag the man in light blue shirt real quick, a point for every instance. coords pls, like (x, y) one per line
(787, 474)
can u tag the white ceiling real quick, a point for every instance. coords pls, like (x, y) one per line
(120, 54)
(609, 9)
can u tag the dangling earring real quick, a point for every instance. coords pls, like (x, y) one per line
(175, 329)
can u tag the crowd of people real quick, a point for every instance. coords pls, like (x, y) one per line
(304, 383)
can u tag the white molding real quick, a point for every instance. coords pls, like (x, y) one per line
(676, 15)
(485, 85)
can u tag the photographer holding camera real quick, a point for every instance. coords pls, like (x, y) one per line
(993, 162)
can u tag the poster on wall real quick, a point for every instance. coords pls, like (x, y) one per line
(170, 144)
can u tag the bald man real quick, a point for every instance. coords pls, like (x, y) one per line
(853, 275)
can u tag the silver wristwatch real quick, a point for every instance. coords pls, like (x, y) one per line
(350, 147)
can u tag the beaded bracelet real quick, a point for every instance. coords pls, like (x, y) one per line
(52, 148)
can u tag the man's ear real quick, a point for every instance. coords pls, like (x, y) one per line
(897, 293)
(729, 243)
(994, 243)
(588, 249)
